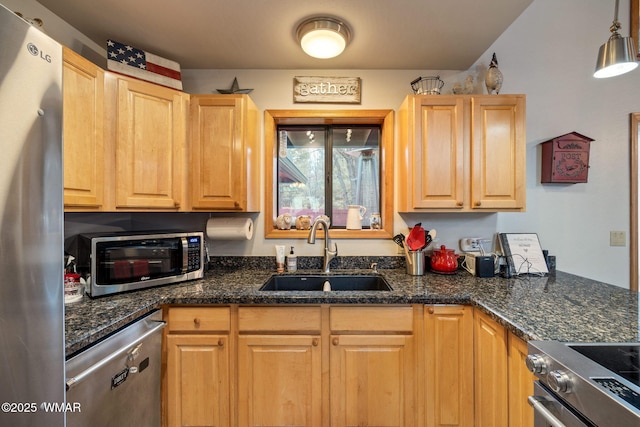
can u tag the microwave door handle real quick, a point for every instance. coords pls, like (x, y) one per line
(185, 254)
(537, 402)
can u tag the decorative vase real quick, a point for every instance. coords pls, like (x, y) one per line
(493, 79)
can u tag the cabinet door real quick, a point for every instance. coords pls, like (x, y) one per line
(279, 380)
(197, 380)
(83, 111)
(520, 384)
(449, 365)
(150, 145)
(436, 175)
(490, 371)
(224, 156)
(498, 144)
(372, 380)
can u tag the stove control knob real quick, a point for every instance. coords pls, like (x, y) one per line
(536, 363)
(559, 381)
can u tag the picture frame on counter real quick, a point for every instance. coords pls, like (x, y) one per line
(523, 253)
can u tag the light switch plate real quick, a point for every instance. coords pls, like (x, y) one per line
(617, 238)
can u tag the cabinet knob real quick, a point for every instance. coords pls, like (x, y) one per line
(220, 343)
(196, 321)
(459, 203)
(431, 310)
(477, 203)
(335, 341)
(315, 342)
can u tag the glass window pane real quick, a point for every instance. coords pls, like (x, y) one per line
(354, 165)
(301, 171)
(356, 172)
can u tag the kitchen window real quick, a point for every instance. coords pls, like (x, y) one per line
(322, 170)
(320, 162)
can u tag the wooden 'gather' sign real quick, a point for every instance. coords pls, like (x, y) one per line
(343, 90)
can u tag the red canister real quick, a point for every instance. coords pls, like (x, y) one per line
(444, 260)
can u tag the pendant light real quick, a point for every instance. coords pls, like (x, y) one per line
(323, 37)
(617, 56)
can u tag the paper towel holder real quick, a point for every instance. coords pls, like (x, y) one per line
(229, 228)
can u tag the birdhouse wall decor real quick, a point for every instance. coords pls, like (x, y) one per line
(565, 159)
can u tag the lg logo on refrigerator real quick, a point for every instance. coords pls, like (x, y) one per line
(33, 50)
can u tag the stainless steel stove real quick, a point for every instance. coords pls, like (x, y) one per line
(585, 384)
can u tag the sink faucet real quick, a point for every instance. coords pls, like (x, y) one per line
(328, 253)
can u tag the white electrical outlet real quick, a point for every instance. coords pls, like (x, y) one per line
(470, 244)
(617, 238)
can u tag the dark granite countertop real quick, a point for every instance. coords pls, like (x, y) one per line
(561, 307)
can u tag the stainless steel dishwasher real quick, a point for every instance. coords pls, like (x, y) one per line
(117, 381)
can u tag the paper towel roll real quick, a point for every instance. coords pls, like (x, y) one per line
(230, 228)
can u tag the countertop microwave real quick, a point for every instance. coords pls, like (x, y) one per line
(126, 261)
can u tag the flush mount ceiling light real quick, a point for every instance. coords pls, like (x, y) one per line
(323, 37)
(617, 56)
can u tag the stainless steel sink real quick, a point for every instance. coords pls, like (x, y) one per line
(317, 283)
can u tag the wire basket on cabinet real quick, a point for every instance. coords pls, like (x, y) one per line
(427, 85)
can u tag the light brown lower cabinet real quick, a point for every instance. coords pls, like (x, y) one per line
(372, 366)
(198, 380)
(372, 380)
(284, 354)
(198, 367)
(490, 372)
(520, 384)
(449, 365)
(279, 366)
(502, 382)
(332, 365)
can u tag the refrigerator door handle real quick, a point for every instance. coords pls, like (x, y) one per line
(71, 382)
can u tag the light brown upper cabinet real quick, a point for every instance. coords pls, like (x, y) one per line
(83, 112)
(224, 161)
(336, 118)
(149, 143)
(462, 153)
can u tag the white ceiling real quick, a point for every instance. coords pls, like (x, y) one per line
(260, 34)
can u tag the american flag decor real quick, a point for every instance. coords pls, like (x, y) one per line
(137, 63)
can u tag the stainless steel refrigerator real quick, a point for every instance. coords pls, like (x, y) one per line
(31, 226)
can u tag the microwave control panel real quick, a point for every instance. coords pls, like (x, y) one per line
(194, 253)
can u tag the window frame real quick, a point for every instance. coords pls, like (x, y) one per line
(383, 118)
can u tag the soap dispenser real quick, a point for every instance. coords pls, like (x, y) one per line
(292, 261)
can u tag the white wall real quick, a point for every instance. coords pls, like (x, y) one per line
(548, 54)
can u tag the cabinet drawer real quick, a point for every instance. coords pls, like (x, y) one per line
(279, 319)
(375, 319)
(199, 319)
